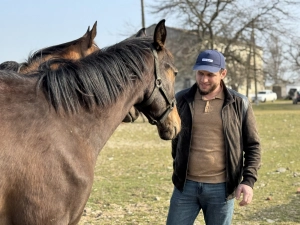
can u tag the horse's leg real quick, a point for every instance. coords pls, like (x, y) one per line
(132, 115)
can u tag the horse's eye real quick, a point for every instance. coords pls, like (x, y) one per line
(169, 66)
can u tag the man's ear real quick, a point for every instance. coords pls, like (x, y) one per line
(223, 74)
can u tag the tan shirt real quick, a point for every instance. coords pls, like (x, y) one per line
(207, 153)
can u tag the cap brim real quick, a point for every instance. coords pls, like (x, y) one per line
(211, 69)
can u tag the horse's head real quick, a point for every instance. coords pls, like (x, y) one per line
(86, 43)
(72, 50)
(159, 104)
(81, 47)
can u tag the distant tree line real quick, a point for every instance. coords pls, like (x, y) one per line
(269, 26)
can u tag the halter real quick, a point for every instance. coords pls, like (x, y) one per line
(157, 88)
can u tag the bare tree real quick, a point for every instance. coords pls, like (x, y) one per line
(276, 64)
(294, 56)
(224, 24)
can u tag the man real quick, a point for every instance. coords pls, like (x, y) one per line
(217, 153)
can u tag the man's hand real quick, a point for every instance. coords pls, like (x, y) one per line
(247, 192)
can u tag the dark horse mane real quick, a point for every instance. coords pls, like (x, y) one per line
(10, 65)
(96, 80)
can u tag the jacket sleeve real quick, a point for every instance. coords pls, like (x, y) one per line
(251, 148)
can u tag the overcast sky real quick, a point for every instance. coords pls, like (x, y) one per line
(27, 26)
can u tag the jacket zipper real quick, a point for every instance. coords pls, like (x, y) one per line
(226, 150)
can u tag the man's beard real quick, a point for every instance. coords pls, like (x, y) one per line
(208, 91)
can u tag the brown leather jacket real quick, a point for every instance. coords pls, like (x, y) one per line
(242, 144)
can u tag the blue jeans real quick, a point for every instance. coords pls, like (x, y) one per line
(211, 198)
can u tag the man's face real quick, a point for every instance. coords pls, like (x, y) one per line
(208, 82)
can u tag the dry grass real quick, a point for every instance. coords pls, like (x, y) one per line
(133, 174)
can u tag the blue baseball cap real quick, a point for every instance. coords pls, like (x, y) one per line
(210, 60)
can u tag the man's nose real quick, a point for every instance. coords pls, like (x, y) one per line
(203, 78)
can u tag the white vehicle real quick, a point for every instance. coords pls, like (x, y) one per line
(264, 96)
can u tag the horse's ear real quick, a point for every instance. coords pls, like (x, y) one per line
(87, 32)
(141, 33)
(160, 35)
(92, 35)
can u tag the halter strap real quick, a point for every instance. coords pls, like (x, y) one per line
(158, 88)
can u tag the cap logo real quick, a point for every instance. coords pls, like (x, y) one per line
(207, 60)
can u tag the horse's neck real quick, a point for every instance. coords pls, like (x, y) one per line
(110, 117)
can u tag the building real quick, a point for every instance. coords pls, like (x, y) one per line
(183, 45)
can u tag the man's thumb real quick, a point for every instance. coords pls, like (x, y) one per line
(238, 193)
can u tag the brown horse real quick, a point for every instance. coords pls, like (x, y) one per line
(54, 124)
(72, 50)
